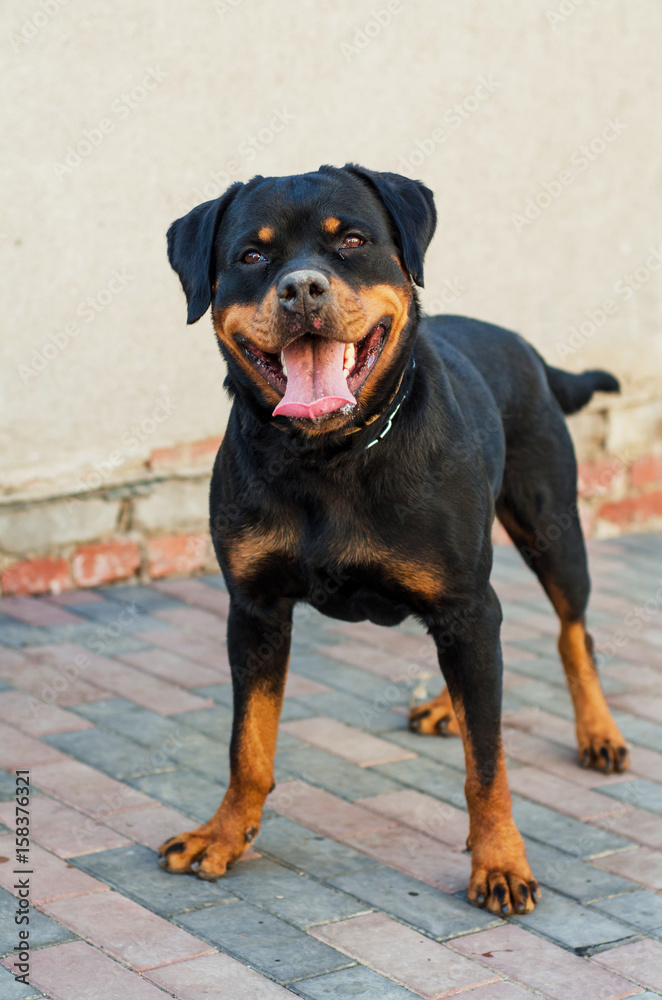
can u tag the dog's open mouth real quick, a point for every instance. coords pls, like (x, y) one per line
(317, 376)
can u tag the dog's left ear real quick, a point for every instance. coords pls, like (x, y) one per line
(410, 206)
(191, 251)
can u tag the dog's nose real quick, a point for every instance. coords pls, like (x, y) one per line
(306, 290)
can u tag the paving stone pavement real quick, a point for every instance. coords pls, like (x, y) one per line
(119, 703)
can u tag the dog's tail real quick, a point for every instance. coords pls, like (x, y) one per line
(574, 391)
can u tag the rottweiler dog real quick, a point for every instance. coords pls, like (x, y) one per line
(367, 452)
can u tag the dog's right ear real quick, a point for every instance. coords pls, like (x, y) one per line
(191, 251)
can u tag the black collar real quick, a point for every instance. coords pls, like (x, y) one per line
(401, 394)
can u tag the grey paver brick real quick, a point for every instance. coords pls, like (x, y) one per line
(424, 907)
(642, 909)
(263, 941)
(562, 832)
(323, 769)
(574, 926)
(205, 756)
(640, 731)
(289, 895)
(134, 871)
(7, 786)
(429, 776)
(308, 852)
(43, 930)
(637, 792)
(145, 598)
(11, 990)
(447, 750)
(136, 723)
(573, 877)
(356, 981)
(110, 753)
(183, 789)
(214, 722)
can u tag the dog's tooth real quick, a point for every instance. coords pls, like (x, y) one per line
(350, 356)
(282, 361)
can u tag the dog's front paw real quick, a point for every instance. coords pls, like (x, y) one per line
(603, 749)
(501, 879)
(203, 851)
(435, 718)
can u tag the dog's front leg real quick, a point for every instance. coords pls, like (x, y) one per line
(259, 649)
(470, 659)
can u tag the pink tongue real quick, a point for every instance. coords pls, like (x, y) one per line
(315, 381)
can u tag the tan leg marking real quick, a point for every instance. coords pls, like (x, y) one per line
(211, 848)
(599, 739)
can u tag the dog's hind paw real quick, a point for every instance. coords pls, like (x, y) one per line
(435, 718)
(200, 851)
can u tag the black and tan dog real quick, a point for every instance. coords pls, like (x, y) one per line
(366, 454)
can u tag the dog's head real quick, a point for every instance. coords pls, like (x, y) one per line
(310, 282)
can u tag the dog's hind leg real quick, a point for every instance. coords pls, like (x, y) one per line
(259, 648)
(538, 508)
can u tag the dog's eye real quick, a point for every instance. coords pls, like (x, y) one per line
(352, 241)
(254, 257)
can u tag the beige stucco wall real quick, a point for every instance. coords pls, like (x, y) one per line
(129, 376)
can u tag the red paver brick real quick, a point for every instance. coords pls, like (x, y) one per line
(52, 877)
(414, 809)
(643, 864)
(126, 930)
(514, 631)
(501, 991)
(216, 976)
(426, 967)
(640, 961)
(543, 724)
(195, 620)
(346, 741)
(53, 685)
(416, 854)
(646, 470)
(202, 595)
(41, 613)
(640, 825)
(150, 826)
(597, 478)
(96, 564)
(543, 966)
(633, 510)
(320, 810)
(648, 706)
(36, 576)
(172, 554)
(77, 971)
(35, 717)
(645, 763)
(188, 645)
(62, 830)
(298, 686)
(638, 675)
(143, 688)
(373, 659)
(19, 750)
(174, 668)
(557, 793)
(82, 787)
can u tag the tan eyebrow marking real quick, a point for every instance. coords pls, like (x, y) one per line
(331, 225)
(265, 234)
